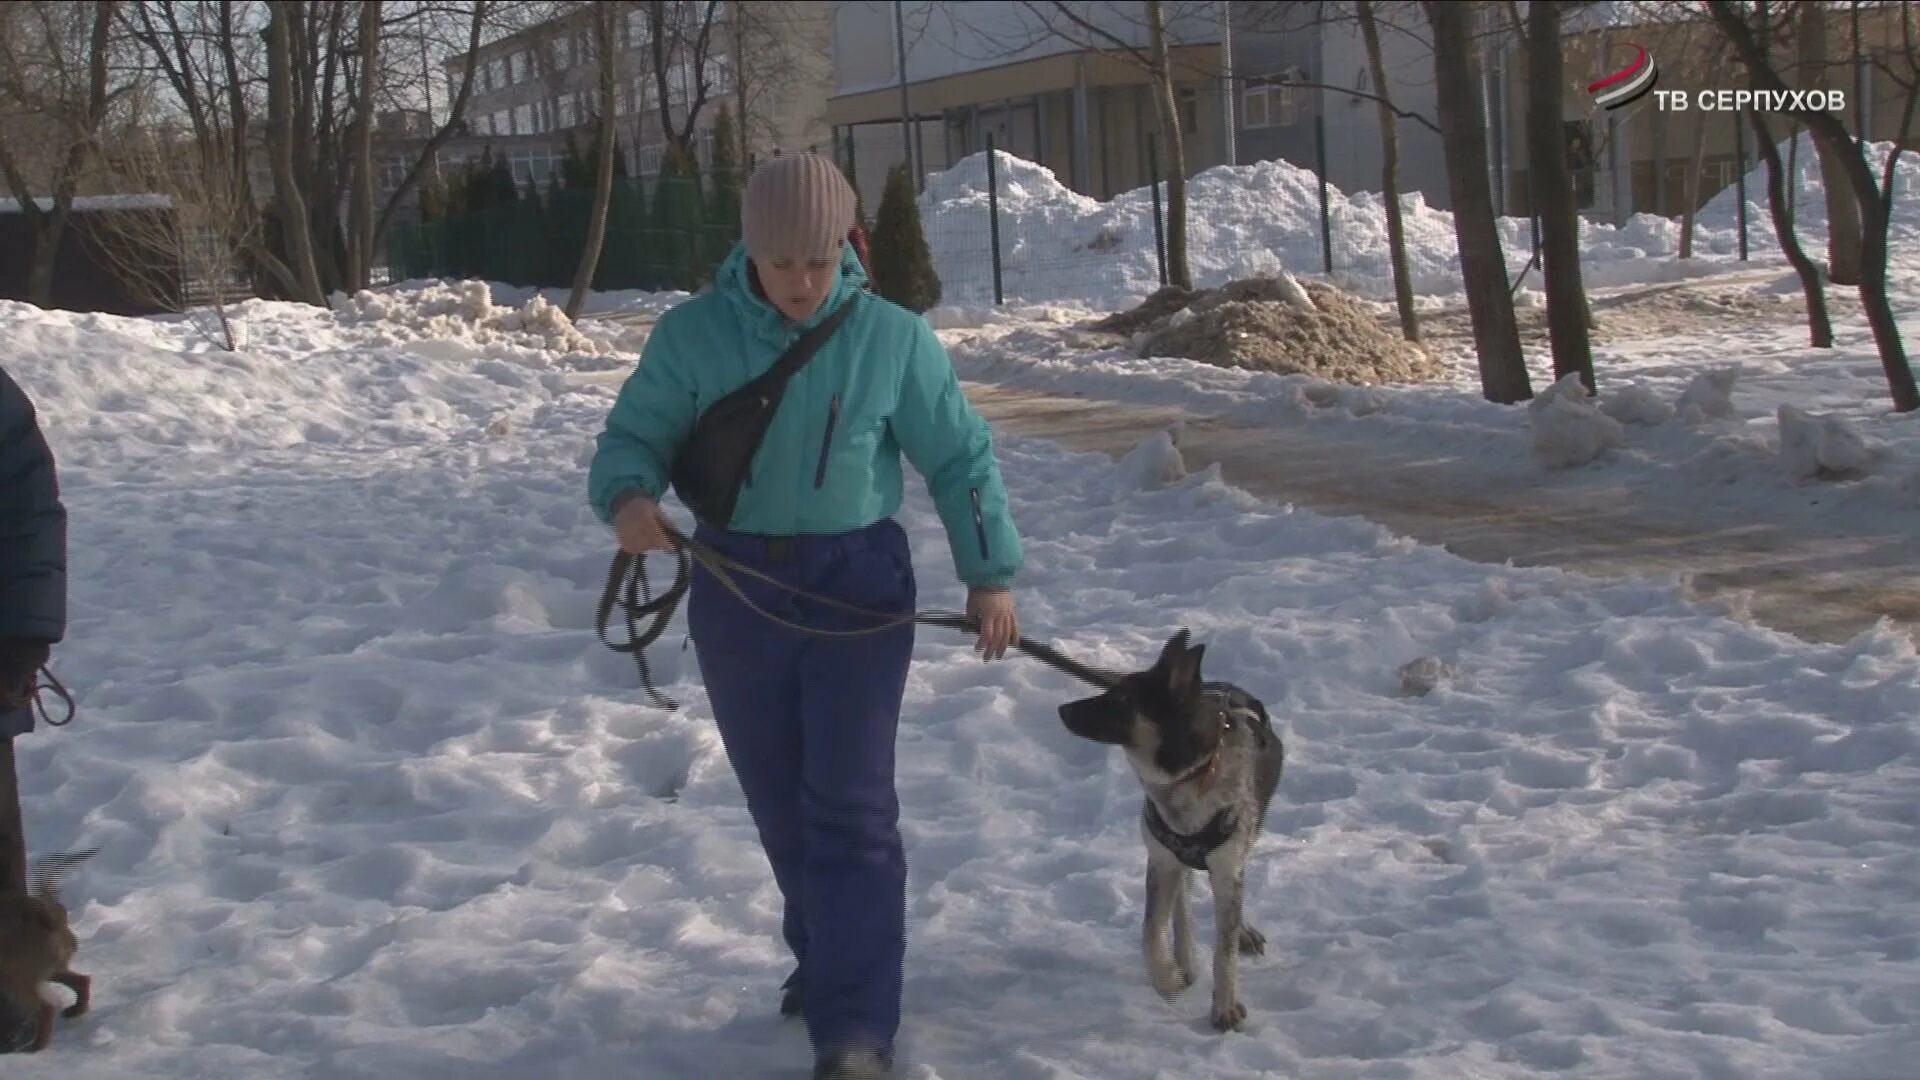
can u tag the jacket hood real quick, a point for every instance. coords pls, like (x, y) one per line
(732, 281)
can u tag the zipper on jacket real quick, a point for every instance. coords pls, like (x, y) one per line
(826, 442)
(979, 522)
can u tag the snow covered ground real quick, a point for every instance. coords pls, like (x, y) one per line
(373, 802)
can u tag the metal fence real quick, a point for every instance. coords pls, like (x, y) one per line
(662, 236)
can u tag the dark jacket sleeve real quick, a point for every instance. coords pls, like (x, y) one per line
(33, 525)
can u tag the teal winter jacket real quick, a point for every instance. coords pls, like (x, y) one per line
(881, 387)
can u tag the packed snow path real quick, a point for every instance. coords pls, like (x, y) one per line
(1821, 584)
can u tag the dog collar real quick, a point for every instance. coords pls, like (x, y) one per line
(1190, 849)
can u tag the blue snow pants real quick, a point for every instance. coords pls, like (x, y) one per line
(809, 725)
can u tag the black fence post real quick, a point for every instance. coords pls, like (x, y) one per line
(1740, 175)
(993, 220)
(1159, 221)
(1326, 215)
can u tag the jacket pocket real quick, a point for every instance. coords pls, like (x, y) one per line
(979, 523)
(826, 442)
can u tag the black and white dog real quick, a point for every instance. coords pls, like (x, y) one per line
(1209, 759)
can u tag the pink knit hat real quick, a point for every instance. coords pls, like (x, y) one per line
(797, 205)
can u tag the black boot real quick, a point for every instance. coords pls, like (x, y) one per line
(793, 996)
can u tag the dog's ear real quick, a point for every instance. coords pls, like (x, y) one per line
(1103, 719)
(1179, 666)
(1174, 650)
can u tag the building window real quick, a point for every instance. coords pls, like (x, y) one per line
(1270, 103)
(566, 112)
(523, 120)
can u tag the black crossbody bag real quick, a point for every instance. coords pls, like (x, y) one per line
(712, 464)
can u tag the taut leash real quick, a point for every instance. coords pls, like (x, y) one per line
(628, 575)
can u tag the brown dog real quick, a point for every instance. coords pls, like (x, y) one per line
(37, 946)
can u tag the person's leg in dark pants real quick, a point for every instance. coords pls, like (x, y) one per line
(750, 668)
(13, 843)
(17, 1030)
(850, 693)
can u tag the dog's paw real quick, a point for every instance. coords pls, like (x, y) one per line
(1229, 1017)
(1169, 980)
(1252, 942)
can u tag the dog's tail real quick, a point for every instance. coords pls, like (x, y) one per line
(47, 876)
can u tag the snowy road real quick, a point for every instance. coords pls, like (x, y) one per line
(1819, 584)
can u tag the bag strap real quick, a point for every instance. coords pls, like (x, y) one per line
(802, 350)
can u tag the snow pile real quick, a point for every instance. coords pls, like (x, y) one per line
(1568, 428)
(1155, 463)
(1809, 199)
(1275, 324)
(1635, 403)
(1250, 220)
(130, 392)
(464, 311)
(1709, 397)
(1817, 447)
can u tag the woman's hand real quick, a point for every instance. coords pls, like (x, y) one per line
(641, 526)
(992, 608)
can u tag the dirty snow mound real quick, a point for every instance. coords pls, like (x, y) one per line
(465, 311)
(1816, 447)
(1568, 429)
(1281, 325)
(1153, 311)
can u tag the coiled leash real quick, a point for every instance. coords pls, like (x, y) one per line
(627, 575)
(32, 699)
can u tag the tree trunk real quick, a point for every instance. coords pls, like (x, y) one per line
(1696, 162)
(46, 253)
(1175, 165)
(1843, 210)
(603, 25)
(294, 223)
(1876, 209)
(360, 231)
(1390, 176)
(1819, 327)
(1503, 368)
(742, 65)
(1553, 195)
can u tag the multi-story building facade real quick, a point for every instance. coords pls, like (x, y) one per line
(765, 62)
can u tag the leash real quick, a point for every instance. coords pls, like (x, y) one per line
(627, 588)
(32, 699)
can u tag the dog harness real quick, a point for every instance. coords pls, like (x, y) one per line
(1191, 849)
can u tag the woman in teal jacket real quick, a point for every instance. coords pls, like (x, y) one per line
(809, 722)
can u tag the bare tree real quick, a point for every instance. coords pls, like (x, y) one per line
(1875, 196)
(54, 76)
(1390, 173)
(221, 63)
(683, 40)
(282, 106)
(1552, 184)
(193, 249)
(1780, 208)
(605, 40)
(1496, 334)
(1843, 210)
(360, 219)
